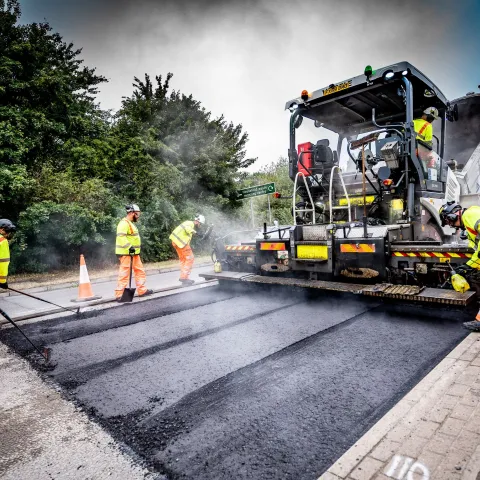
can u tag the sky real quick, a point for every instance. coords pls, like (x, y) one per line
(246, 58)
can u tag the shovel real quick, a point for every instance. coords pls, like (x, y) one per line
(128, 293)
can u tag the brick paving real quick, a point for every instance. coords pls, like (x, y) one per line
(433, 433)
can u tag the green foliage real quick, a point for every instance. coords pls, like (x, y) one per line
(52, 235)
(46, 96)
(174, 135)
(68, 168)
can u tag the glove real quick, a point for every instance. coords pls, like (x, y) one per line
(131, 250)
(4, 285)
(459, 283)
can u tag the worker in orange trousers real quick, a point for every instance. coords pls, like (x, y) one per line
(127, 249)
(181, 238)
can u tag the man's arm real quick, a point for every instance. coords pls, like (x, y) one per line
(474, 261)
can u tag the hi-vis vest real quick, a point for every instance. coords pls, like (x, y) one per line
(471, 222)
(424, 130)
(127, 236)
(182, 235)
(4, 259)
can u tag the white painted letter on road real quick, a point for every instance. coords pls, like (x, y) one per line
(403, 468)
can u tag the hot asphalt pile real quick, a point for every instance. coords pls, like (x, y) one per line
(217, 384)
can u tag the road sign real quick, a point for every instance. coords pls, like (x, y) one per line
(256, 191)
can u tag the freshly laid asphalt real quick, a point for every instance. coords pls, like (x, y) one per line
(233, 384)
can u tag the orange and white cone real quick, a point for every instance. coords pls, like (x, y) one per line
(477, 318)
(85, 291)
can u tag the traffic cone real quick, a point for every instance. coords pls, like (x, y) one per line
(85, 291)
(477, 318)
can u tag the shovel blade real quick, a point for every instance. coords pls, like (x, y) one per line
(127, 295)
(47, 354)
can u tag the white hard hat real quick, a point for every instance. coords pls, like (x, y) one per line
(431, 111)
(133, 207)
(199, 218)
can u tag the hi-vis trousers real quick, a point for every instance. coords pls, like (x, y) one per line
(186, 257)
(124, 275)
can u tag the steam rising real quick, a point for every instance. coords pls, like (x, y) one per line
(245, 59)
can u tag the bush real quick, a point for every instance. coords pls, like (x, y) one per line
(53, 235)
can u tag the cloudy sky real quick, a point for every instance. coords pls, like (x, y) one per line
(246, 58)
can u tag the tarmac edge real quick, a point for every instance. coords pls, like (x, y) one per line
(432, 432)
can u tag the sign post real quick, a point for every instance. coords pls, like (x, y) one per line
(257, 191)
(251, 211)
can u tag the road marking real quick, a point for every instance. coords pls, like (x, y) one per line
(408, 468)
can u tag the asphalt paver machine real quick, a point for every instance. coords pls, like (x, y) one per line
(366, 195)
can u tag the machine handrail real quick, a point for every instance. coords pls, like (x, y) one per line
(309, 196)
(330, 193)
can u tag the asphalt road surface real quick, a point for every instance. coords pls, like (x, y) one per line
(216, 384)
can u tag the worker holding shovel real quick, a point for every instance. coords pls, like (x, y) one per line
(127, 249)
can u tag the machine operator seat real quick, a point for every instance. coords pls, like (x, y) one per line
(324, 158)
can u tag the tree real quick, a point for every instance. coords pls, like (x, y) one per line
(46, 95)
(67, 167)
(175, 135)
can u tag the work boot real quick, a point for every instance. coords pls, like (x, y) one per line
(474, 325)
(148, 292)
(186, 282)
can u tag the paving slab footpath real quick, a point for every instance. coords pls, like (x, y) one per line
(433, 433)
(20, 307)
(43, 436)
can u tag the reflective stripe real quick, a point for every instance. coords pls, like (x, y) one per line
(420, 132)
(122, 234)
(4, 259)
(179, 239)
(127, 245)
(3, 278)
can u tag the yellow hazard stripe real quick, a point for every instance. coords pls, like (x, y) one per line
(240, 248)
(432, 254)
(357, 247)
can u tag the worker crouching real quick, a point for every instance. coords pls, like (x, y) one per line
(127, 249)
(181, 238)
(453, 215)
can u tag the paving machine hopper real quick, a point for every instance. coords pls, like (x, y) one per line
(366, 195)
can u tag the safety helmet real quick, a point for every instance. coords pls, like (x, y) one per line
(431, 111)
(132, 207)
(200, 218)
(448, 212)
(7, 226)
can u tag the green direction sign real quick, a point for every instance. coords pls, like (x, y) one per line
(256, 191)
